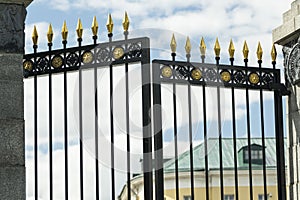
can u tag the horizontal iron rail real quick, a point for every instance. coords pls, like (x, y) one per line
(38, 63)
(211, 75)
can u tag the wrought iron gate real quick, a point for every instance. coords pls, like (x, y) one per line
(203, 75)
(190, 74)
(92, 57)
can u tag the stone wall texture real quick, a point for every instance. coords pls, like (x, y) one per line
(12, 142)
(290, 29)
(288, 35)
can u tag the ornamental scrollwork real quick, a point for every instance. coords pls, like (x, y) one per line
(292, 63)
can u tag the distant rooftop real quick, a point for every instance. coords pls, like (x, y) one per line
(228, 155)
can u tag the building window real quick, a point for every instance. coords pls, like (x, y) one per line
(256, 154)
(229, 197)
(187, 197)
(261, 197)
(246, 155)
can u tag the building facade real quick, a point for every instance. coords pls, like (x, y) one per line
(214, 172)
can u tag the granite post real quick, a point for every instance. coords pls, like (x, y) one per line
(288, 35)
(12, 144)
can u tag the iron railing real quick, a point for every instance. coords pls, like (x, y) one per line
(93, 57)
(192, 74)
(172, 72)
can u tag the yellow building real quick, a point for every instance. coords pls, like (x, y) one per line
(214, 172)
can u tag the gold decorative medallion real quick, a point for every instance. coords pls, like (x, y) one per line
(57, 62)
(225, 76)
(166, 71)
(28, 65)
(118, 52)
(253, 78)
(196, 74)
(87, 57)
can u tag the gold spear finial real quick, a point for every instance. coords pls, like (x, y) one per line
(188, 46)
(79, 29)
(274, 53)
(202, 47)
(110, 24)
(259, 52)
(245, 50)
(231, 49)
(64, 31)
(126, 22)
(217, 48)
(35, 36)
(95, 26)
(50, 34)
(173, 44)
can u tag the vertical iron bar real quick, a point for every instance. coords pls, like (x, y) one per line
(66, 120)
(127, 120)
(128, 134)
(191, 144)
(81, 135)
(281, 182)
(95, 37)
(220, 137)
(191, 134)
(262, 122)
(35, 126)
(175, 133)
(96, 128)
(220, 143)
(236, 179)
(112, 132)
(157, 117)
(205, 144)
(280, 148)
(205, 138)
(112, 124)
(147, 132)
(176, 141)
(203, 58)
(249, 136)
(50, 126)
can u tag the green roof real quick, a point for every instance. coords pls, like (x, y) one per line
(227, 155)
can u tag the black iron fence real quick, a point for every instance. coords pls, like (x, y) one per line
(124, 53)
(94, 57)
(206, 76)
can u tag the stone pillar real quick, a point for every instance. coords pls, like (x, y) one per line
(287, 35)
(12, 144)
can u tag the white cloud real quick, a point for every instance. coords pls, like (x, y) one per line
(62, 5)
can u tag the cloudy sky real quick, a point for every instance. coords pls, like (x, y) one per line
(238, 20)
